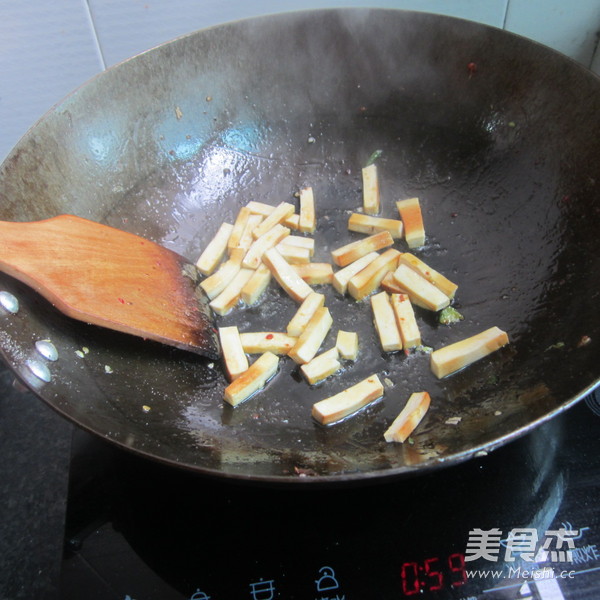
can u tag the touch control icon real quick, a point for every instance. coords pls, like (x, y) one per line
(327, 581)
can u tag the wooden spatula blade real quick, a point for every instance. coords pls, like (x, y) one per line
(111, 278)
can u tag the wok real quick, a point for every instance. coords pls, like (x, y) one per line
(496, 135)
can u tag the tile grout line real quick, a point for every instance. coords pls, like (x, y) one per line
(505, 18)
(96, 38)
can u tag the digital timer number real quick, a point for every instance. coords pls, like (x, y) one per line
(433, 574)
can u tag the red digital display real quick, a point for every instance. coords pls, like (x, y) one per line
(433, 574)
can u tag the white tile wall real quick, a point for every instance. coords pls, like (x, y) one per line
(49, 48)
(126, 28)
(569, 27)
(46, 50)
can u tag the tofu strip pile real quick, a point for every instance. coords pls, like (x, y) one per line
(273, 243)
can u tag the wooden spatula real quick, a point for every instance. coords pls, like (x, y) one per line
(107, 277)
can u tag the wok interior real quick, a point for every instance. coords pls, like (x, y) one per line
(502, 154)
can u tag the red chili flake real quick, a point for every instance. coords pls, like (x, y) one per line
(472, 69)
(121, 300)
(406, 352)
(454, 215)
(269, 336)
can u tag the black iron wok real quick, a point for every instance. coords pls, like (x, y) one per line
(496, 135)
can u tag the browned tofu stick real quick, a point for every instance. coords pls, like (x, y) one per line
(348, 401)
(315, 273)
(371, 200)
(449, 359)
(369, 224)
(307, 222)
(261, 244)
(321, 366)
(281, 212)
(409, 418)
(305, 313)
(414, 229)
(406, 321)
(419, 289)
(385, 322)
(343, 276)
(347, 344)
(252, 380)
(236, 361)
(259, 342)
(256, 285)
(354, 250)
(214, 284)
(215, 250)
(285, 275)
(312, 337)
(440, 281)
(370, 278)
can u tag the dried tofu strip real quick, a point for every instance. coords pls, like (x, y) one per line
(419, 289)
(215, 250)
(315, 273)
(252, 380)
(302, 242)
(414, 229)
(343, 276)
(310, 340)
(260, 208)
(295, 255)
(348, 402)
(347, 344)
(370, 190)
(293, 221)
(285, 275)
(350, 252)
(370, 278)
(238, 228)
(305, 313)
(216, 283)
(308, 221)
(390, 285)
(256, 285)
(371, 225)
(439, 280)
(449, 359)
(406, 321)
(385, 322)
(236, 361)
(281, 212)
(409, 418)
(257, 342)
(247, 239)
(231, 295)
(321, 366)
(267, 240)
